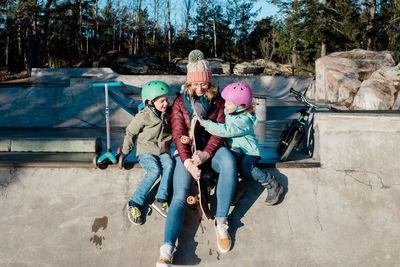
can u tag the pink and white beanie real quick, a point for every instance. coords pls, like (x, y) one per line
(198, 68)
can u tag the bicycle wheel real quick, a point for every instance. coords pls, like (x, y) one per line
(287, 136)
(293, 143)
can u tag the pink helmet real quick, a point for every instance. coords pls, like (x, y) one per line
(238, 93)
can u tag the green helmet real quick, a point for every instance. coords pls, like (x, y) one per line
(154, 89)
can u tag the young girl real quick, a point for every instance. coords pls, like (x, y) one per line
(240, 137)
(151, 130)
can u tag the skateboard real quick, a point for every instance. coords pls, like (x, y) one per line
(198, 141)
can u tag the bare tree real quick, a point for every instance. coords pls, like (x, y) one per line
(155, 19)
(214, 29)
(323, 44)
(370, 27)
(169, 33)
(137, 26)
(188, 5)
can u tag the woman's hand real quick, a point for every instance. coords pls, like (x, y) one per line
(192, 168)
(200, 157)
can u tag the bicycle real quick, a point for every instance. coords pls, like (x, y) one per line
(294, 132)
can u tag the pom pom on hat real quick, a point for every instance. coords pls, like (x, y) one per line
(198, 68)
(195, 55)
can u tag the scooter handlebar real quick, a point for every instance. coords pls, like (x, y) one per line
(116, 84)
(294, 92)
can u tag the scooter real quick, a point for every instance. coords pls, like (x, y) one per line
(108, 158)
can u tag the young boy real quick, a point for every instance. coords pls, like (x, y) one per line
(150, 129)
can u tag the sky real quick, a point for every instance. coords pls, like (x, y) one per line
(267, 9)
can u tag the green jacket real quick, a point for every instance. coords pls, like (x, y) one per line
(151, 131)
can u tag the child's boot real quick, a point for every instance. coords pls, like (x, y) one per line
(161, 206)
(274, 191)
(134, 214)
(166, 256)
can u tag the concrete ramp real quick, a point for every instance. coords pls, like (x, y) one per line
(75, 217)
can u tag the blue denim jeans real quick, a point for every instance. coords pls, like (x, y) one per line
(154, 167)
(247, 166)
(223, 163)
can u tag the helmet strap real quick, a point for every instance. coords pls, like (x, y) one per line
(237, 110)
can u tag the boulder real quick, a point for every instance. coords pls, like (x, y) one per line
(339, 75)
(380, 91)
(136, 64)
(262, 66)
(248, 68)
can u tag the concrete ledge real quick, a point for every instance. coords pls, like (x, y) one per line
(366, 141)
(49, 144)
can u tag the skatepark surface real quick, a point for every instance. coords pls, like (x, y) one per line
(345, 212)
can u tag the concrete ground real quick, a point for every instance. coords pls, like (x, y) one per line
(76, 217)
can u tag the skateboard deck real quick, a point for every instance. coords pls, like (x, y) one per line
(199, 137)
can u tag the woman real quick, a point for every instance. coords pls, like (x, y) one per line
(199, 98)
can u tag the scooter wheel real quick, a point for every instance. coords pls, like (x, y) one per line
(121, 162)
(94, 161)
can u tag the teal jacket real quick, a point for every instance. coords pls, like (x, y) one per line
(238, 131)
(150, 131)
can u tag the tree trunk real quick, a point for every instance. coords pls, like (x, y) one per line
(214, 31)
(43, 35)
(169, 34)
(273, 41)
(80, 41)
(120, 36)
(137, 31)
(29, 48)
(155, 20)
(188, 4)
(87, 37)
(294, 59)
(323, 44)
(370, 27)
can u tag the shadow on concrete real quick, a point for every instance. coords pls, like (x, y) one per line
(186, 250)
(252, 193)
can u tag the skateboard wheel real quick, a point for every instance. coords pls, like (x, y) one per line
(185, 139)
(191, 200)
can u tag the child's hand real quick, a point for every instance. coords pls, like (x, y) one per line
(192, 168)
(200, 157)
(194, 171)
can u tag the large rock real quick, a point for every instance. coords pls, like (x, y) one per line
(380, 91)
(136, 64)
(339, 75)
(262, 66)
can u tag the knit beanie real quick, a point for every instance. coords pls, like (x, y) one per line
(198, 69)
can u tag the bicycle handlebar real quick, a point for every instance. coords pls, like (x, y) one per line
(309, 103)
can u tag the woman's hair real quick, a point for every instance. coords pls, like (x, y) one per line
(211, 92)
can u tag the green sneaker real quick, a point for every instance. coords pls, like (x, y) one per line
(134, 214)
(160, 207)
